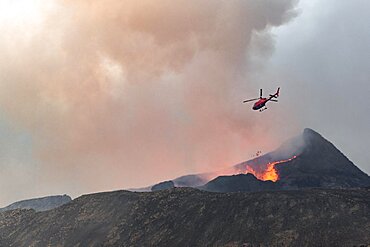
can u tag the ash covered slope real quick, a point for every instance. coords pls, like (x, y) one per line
(189, 217)
(39, 204)
(320, 164)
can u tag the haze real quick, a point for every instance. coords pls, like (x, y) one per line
(114, 94)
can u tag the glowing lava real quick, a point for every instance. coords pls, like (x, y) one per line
(270, 172)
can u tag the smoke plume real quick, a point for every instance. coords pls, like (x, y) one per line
(115, 94)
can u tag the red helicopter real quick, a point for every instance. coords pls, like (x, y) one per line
(262, 101)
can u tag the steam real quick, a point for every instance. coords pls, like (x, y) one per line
(126, 93)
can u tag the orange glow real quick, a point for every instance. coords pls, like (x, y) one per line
(270, 172)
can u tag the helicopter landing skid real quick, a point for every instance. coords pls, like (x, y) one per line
(263, 109)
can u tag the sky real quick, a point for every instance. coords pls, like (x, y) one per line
(98, 96)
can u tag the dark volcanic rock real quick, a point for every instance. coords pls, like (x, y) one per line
(39, 204)
(188, 217)
(163, 186)
(236, 183)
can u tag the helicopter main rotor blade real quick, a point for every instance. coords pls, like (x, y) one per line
(248, 100)
(261, 93)
(274, 100)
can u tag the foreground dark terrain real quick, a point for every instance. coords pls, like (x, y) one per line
(190, 217)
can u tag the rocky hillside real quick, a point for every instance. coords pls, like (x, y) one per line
(189, 217)
(39, 204)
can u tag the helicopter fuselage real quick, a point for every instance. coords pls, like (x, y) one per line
(259, 104)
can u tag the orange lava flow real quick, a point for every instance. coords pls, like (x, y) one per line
(270, 173)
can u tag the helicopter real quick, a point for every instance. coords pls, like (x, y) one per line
(261, 103)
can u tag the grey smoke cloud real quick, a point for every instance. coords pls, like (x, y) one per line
(116, 94)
